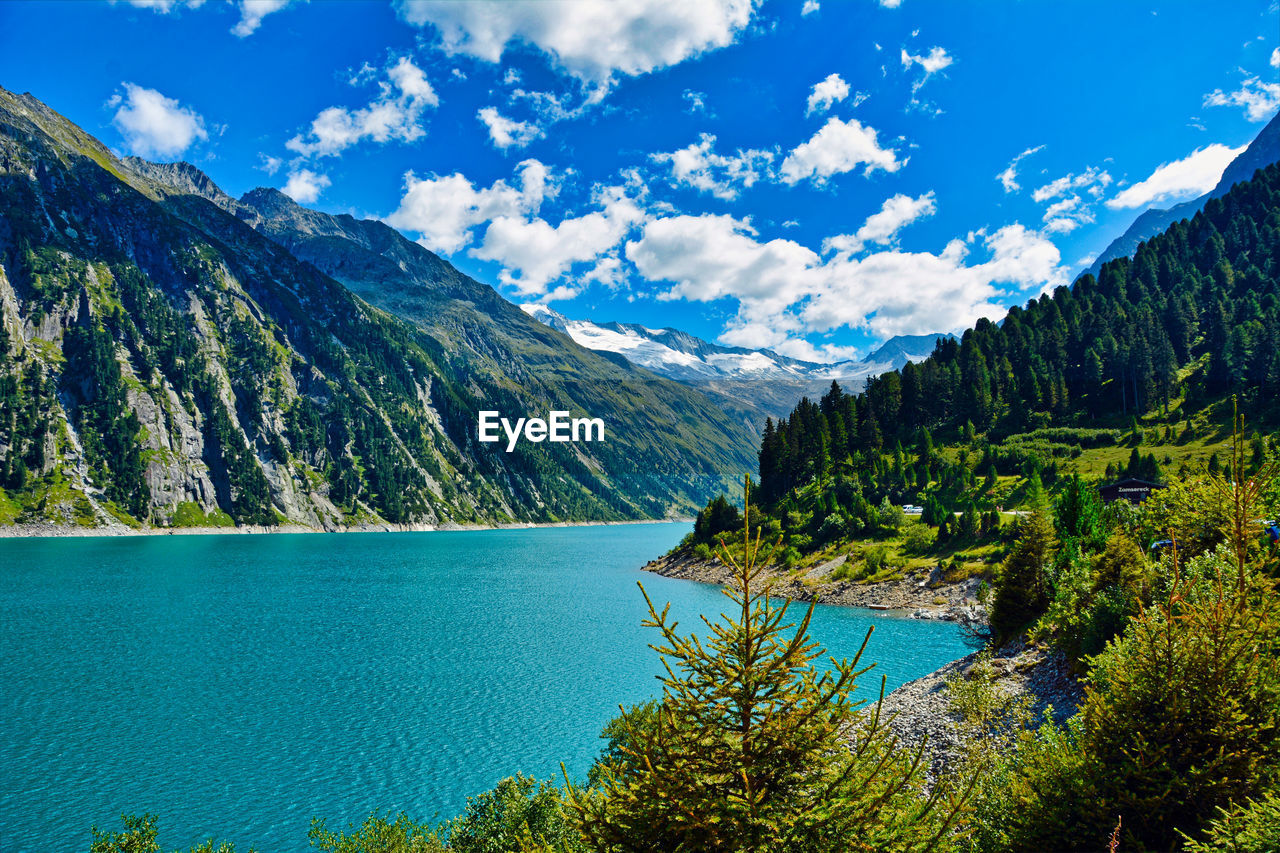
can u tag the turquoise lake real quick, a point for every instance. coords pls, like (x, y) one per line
(238, 686)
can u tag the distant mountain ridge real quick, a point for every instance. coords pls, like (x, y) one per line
(687, 358)
(750, 385)
(1262, 152)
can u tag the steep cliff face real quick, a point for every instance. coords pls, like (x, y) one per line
(163, 362)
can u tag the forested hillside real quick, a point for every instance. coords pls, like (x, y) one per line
(1127, 373)
(162, 362)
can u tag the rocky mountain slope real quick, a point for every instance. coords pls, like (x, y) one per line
(176, 357)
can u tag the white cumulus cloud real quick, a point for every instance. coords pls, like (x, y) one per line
(712, 256)
(700, 167)
(1067, 214)
(395, 114)
(534, 253)
(838, 147)
(1193, 175)
(883, 226)
(304, 186)
(697, 101)
(444, 210)
(253, 11)
(1062, 225)
(1259, 98)
(594, 40)
(785, 291)
(821, 353)
(932, 62)
(892, 292)
(505, 132)
(153, 125)
(825, 93)
(1069, 199)
(809, 7)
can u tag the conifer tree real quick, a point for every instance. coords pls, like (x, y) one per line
(1078, 512)
(1022, 593)
(748, 750)
(869, 433)
(969, 522)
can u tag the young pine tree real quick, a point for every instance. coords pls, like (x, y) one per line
(1022, 593)
(1077, 514)
(749, 748)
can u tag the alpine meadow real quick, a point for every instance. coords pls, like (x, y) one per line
(778, 426)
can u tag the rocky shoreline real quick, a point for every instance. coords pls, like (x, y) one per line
(920, 715)
(920, 595)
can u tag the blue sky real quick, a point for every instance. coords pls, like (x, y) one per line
(807, 175)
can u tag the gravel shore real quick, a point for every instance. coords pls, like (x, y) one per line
(919, 712)
(921, 595)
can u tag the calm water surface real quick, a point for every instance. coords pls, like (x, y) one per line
(237, 686)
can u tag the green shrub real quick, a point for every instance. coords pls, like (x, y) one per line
(990, 718)
(1181, 718)
(833, 527)
(845, 571)
(715, 518)
(1077, 436)
(1253, 827)
(139, 836)
(1090, 606)
(519, 813)
(1077, 513)
(1122, 564)
(621, 736)
(876, 558)
(1105, 619)
(378, 835)
(189, 514)
(1072, 594)
(917, 538)
(890, 517)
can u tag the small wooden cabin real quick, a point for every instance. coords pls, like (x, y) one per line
(1131, 489)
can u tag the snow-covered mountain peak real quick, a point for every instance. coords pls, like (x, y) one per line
(680, 355)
